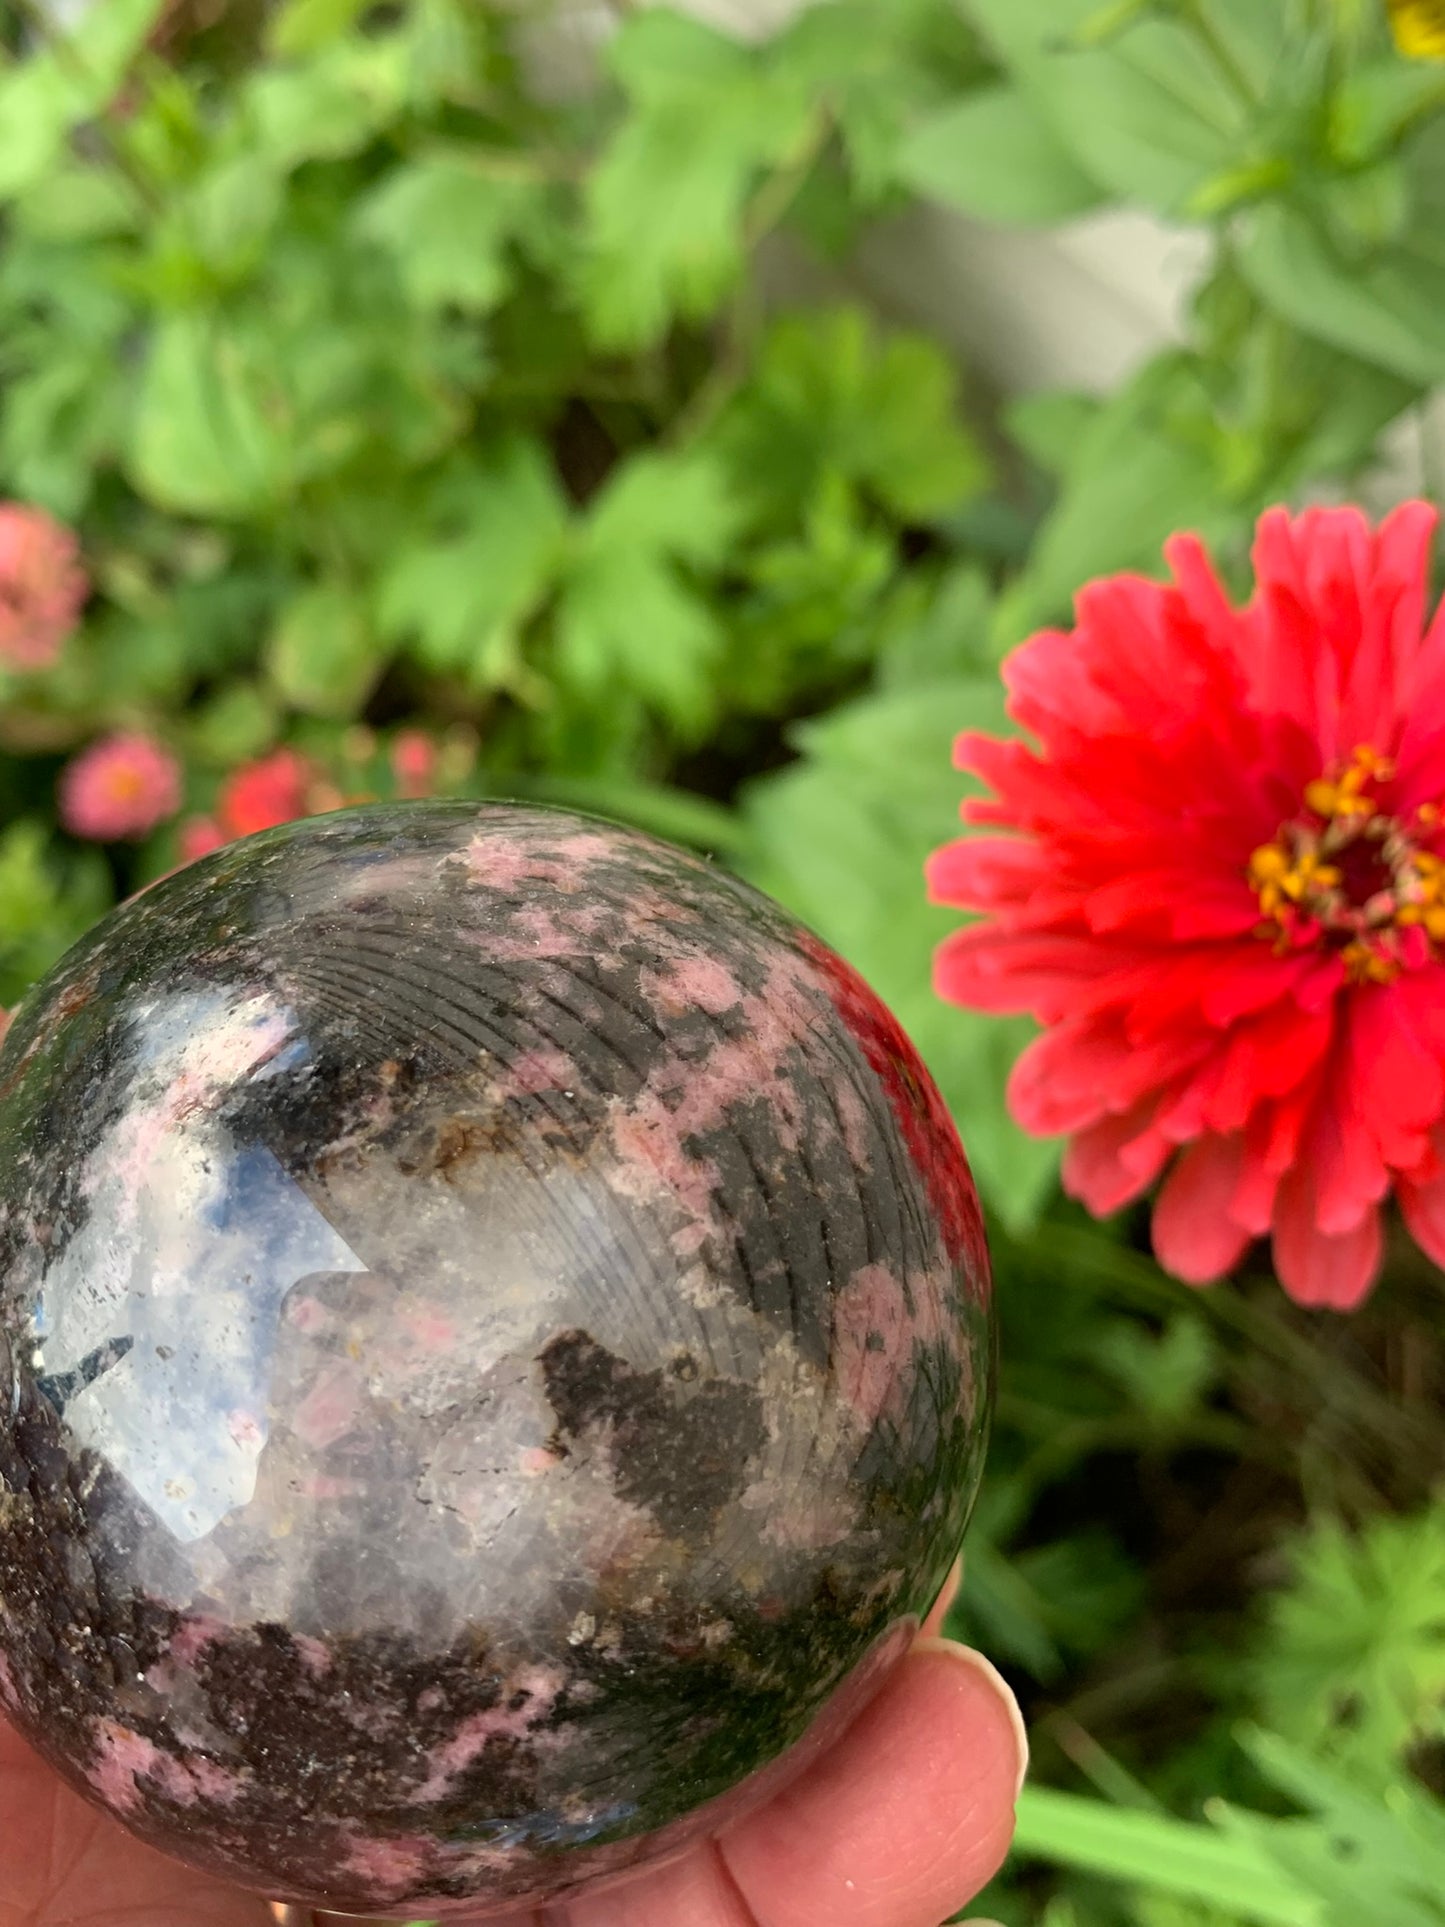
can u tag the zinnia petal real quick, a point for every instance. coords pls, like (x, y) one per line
(1194, 1235)
(1218, 882)
(1316, 1267)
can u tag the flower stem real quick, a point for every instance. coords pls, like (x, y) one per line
(1194, 15)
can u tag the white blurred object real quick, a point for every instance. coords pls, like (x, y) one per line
(748, 19)
(1079, 306)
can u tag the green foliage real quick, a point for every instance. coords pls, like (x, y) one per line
(994, 155)
(46, 902)
(841, 837)
(1354, 1662)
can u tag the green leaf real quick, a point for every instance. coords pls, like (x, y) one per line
(329, 106)
(46, 902)
(1390, 309)
(446, 220)
(1354, 1661)
(58, 423)
(77, 203)
(992, 155)
(1375, 104)
(841, 838)
(1165, 1378)
(665, 203)
(1129, 486)
(239, 721)
(877, 69)
(204, 437)
(1170, 1856)
(1147, 115)
(301, 26)
(481, 561)
(322, 656)
(1371, 1859)
(44, 97)
(834, 396)
(1050, 425)
(630, 609)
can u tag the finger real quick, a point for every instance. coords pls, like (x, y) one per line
(906, 1819)
(933, 1625)
(64, 1864)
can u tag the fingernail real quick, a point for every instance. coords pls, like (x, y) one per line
(968, 1657)
(938, 1612)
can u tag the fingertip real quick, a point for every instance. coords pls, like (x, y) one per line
(969, 1656)
(908, 1817)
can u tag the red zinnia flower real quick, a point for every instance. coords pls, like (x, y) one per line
(122, 786)
(42, 586)
(1225, 898)
(413, 762)
(258, 796)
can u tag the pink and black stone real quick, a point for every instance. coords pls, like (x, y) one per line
(495, 1359)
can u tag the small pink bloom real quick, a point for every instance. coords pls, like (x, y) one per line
(413, 762)
(42, 586)
(122, 786)
(199, 836)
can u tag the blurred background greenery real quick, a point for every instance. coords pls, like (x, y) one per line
(453, 397)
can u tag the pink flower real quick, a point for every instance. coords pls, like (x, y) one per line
(199, 835)
(413, 762)
(122, 786)
(42, 586)
(1222, 891)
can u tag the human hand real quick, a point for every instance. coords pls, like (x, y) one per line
(897, 1826)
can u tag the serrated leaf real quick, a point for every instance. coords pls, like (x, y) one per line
(833, 395)
(992, 155)
(877, 68)
(447, 221)
(327, 107)
(665, 203)
(478, 573)
(323, 656)
(1354, 1660)
(44, 97)
(629, 609)
(1164, 1377)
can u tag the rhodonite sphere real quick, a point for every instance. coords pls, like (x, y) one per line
(495, 1355)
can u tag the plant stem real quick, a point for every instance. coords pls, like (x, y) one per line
(769, 206)
(1195, 16)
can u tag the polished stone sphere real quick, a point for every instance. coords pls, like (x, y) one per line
(494, 1355)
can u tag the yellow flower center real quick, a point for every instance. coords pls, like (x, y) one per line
(1419, 28)
(1350, 876)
